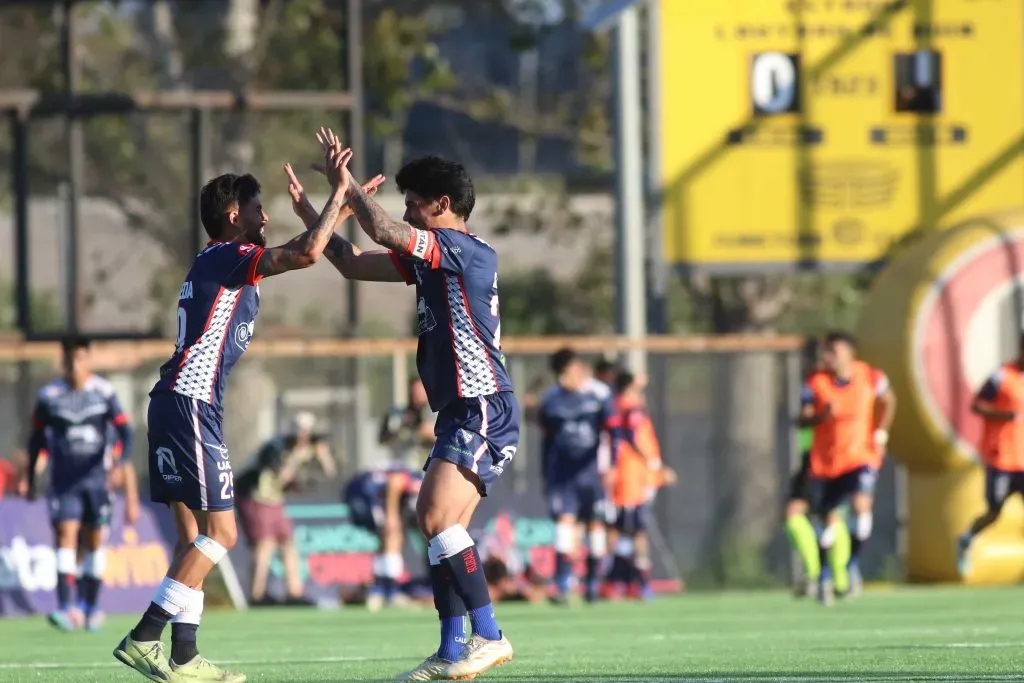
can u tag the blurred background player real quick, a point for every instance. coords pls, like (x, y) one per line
(383, 501)
(999, 403)
(409, 430)
(851, 408)
(606, 371)
(799, 528)
(576, 415)
(637, 475)
(260, 492)
(71, 420)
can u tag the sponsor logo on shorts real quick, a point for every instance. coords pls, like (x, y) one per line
(167, 466)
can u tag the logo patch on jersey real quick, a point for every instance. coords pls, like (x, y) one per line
(245, 248)
(166, 465)
(421, 244)
(243, 334)
(425, 320)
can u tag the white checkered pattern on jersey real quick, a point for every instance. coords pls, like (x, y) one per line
(472, 361)
(202, 360)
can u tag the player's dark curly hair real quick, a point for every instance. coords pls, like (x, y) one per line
(433, 177)
(219, 194)
(840, 336)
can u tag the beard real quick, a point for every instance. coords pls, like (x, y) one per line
(256, 237)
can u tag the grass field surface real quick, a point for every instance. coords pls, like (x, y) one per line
(903, 634)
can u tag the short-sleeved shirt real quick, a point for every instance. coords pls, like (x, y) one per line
(456, 277)
(573, 422)
(217, 308)
(76, 424)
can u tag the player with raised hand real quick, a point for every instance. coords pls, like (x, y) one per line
(460, 362)
(190, 469)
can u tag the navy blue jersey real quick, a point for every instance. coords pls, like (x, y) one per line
(372, 483)
(456, 278)
(573, 424)
(74, 426)
(217, 309)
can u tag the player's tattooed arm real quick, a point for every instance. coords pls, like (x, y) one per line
(348, 259)
(376, 223)
(306, 249)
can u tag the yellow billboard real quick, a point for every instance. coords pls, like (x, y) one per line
(816, 133)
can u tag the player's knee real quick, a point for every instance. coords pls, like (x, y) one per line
(565, 536)
(597, 541)
(828, 535)
(94, 563)
(433, 519)
(796, 508)
(861, 503)
(213, 548)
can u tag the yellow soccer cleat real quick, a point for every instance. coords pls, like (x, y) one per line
(480, 655)
(146, 658)
(202, 669)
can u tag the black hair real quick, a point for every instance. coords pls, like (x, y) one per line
(839, 336)
(433, 177)
(219, 194)
(73, 342)
(561, 359)
(624, 380)
(604, 365)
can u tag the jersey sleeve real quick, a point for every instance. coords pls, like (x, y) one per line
(990, 390)
(450, 250)
(118, 418)
(807, 395)
(236, 264)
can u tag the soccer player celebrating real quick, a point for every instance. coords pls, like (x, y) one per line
(999, 403)
(577, 416)
(460, 362)
(383, 502)
(851, 407)
(189, 464)
(74, 414)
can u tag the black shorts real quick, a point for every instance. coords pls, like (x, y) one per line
(630, 520)
(800, 482)
(830, 494)
(1001, 485)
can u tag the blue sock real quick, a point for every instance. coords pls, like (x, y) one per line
(563, 573)
(468, 579)
(451, 610)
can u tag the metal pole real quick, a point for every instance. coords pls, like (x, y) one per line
(631, 304)
(20, 185)
(76, 165)
(793, 382)
(657, 269)
(200, 158)
(352, 70)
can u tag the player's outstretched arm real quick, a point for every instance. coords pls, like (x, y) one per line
(306, 249)
(376, 223)
(348, 259)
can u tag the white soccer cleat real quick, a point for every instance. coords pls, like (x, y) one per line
(826, 592)
(374, 602)
(433, 668)
(480, 655)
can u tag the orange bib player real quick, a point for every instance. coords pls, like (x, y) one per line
(638, 474)
(1000, 404)
(850, 406)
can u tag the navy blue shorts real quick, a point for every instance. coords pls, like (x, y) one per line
(88, 505)
(1000, 485)
(188, 461)
(583, 498)
(830, 494)
(478, 434)
(630, 520)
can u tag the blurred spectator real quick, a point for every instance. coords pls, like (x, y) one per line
(409, 430)
(260, 493)
(10, 478)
